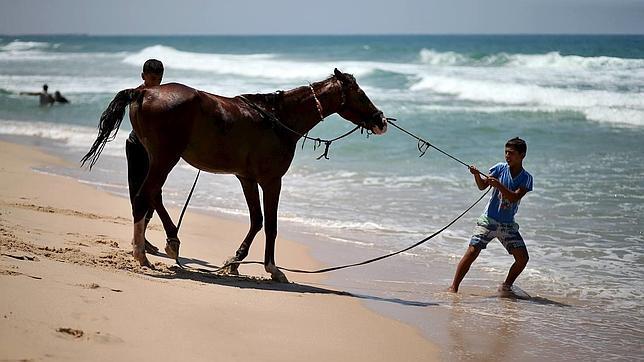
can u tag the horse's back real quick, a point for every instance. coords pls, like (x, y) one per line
(167, 97)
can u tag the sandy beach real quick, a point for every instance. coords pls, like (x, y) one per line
(72, 291)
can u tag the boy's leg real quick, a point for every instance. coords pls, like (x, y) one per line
(513, 242)
(463, 267)
(483, 233)
(521, 258)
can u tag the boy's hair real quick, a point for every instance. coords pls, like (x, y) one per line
(517, 144)
(153, 66)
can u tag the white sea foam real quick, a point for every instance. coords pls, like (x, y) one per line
(18, 45)
(571, 62)
(77, 137)
(432, 57)
(248, 65)
(67, 84)
(599, 105)
(549, 60)
(267, 66)
(39, 55)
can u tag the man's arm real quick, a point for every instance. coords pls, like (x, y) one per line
(512, 196)
(29, 93)
(480, 182)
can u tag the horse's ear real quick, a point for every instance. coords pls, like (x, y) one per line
(338, 73)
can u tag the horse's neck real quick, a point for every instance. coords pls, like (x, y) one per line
(303, 114)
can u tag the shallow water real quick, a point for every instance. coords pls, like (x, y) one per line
(577, 101)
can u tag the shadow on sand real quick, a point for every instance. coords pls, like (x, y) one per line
(203, 275)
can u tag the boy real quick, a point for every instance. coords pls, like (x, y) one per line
(137, 156)
(511, 182)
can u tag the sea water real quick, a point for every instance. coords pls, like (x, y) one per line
(578, 101)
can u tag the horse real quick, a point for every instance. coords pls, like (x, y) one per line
(252, 136)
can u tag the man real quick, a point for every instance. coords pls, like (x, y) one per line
(137, 156)
(45, 98)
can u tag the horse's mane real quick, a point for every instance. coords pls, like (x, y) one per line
(274, 100)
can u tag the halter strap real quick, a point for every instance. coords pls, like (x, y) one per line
(344, 99)
(318, 105)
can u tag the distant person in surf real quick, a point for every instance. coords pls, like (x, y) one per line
(59, 98)
(45, 98)
(137, 156)
(510, 182)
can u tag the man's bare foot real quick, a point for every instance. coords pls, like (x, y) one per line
(139, 255)
(451, 289)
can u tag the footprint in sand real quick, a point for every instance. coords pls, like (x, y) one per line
(75, 333)
(96, 286)
(99, 337)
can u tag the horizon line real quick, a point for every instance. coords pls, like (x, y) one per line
(317, 34)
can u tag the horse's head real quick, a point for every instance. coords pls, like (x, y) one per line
(357, 107)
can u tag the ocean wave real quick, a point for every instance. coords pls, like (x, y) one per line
(66, 84)
(265, 66)
(38, 54)
(330, 224)
(17, 45)
(76, 137)
(595, 104)
(248, 65)
(548, 60)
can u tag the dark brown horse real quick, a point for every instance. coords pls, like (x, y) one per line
(251, 136)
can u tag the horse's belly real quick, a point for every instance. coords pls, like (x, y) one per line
(215, 162)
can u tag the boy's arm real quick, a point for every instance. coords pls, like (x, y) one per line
(512, 196)
(480, 182)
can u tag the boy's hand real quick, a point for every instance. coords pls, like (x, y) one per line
(474, 170)
(493, 182)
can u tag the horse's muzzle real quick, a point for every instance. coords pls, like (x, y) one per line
(380, 124)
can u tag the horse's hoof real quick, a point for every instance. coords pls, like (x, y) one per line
(151, 249)
(172, 247)
(230, 268)
(276, 274)
(279, 277)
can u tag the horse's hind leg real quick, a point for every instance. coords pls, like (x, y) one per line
(251, 193)
(149, 197)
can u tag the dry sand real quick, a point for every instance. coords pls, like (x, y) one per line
(70, 290)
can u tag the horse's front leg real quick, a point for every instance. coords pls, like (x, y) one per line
(271, 200)
(251, 193)
(172, 241)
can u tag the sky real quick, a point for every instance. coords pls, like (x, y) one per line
(301, 17)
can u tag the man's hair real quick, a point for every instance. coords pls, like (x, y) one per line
(517, 144)
(153, 66)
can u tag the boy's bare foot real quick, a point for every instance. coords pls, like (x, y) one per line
(451, 289)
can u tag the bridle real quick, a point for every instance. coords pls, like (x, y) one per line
(377, 113)
(317, 141)
(318, 105)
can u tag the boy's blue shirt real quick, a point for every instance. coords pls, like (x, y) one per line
(500, 209)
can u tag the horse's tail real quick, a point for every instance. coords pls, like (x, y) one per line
(110, 122)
